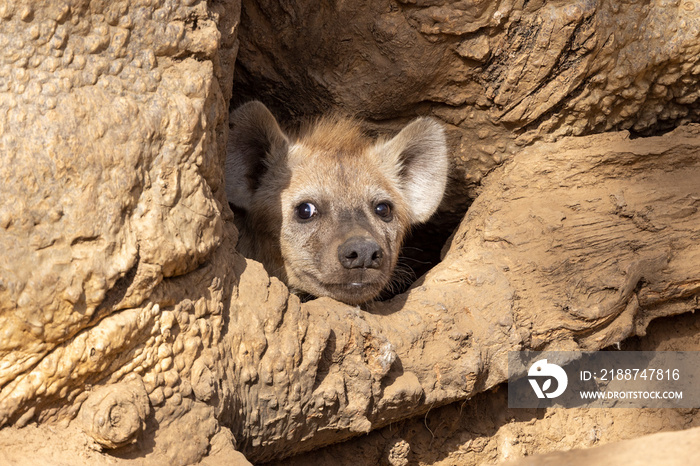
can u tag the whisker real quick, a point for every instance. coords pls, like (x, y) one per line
(412, 248)
(414, 260)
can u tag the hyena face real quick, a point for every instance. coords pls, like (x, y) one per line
(326, 212)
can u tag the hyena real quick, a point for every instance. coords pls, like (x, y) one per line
(326, 211)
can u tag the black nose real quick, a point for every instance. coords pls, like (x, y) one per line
(358, 252)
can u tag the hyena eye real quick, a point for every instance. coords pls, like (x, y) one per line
(306, 210)
(383, 210)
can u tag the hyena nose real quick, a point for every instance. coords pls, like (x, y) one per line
(358, 252)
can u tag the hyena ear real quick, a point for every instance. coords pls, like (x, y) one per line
(255, 140)
(419, 153)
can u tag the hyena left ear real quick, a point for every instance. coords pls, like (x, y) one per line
(255, 142)
(419, 152)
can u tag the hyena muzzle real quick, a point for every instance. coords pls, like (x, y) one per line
(326, 211)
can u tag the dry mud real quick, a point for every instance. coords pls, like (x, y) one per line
(480, 431)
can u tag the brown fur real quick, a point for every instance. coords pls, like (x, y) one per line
(345, 175)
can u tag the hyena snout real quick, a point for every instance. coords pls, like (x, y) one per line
(360, 252)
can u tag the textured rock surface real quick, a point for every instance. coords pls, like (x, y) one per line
(482, 431)
(499, 72)
(122, 299)
(111, 132)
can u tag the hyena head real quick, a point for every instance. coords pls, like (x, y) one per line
(327, 211)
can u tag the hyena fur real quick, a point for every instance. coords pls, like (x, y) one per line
(326, 211)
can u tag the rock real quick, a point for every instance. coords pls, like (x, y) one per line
(500, 73)
(114, 415)
(112, 124)
(483, 430)
(397, 453)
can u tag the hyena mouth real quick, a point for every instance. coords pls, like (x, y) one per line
(354, 286)
(354, 292)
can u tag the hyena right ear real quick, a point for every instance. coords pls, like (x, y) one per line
(255, 139)
(418, 156)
